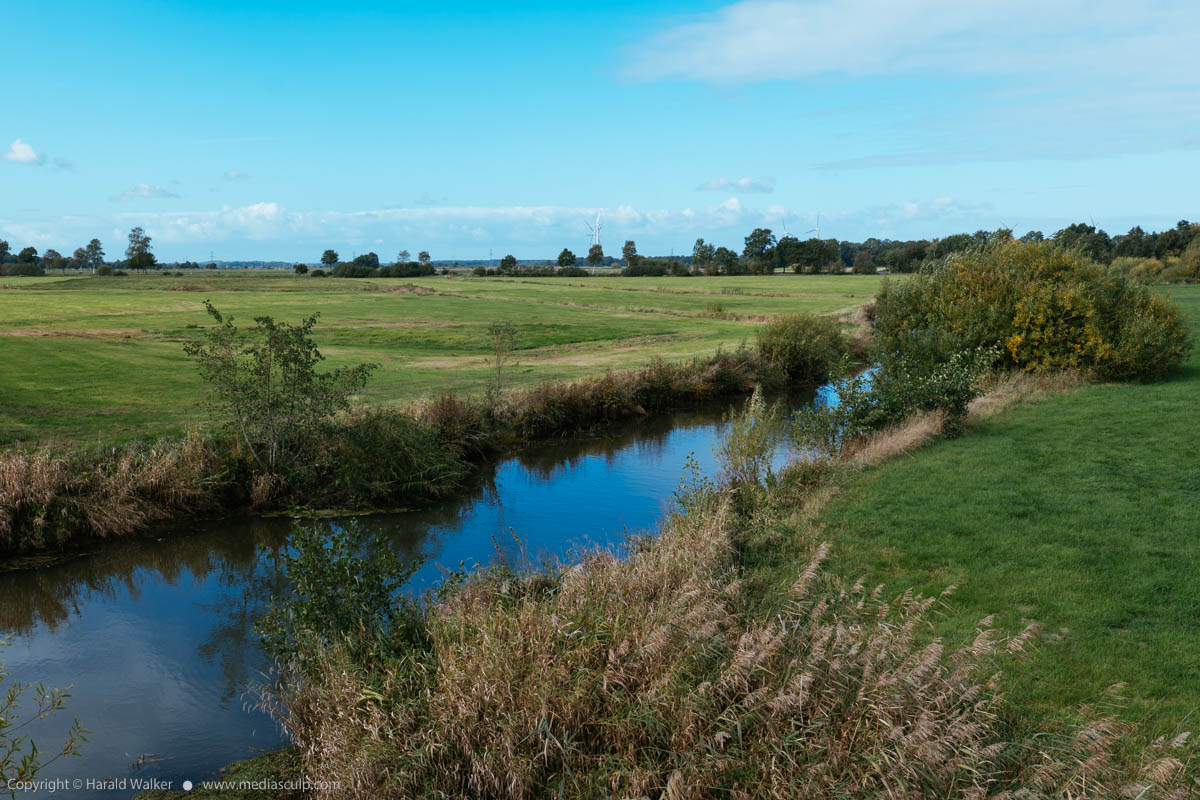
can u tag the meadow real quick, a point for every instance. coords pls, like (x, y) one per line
(1079, 511)
(100, 358)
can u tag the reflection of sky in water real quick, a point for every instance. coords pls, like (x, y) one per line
(156, 636)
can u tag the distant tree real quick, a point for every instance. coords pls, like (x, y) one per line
(703, 255)
(403, 257)
(52, 259)
(863, 263)
(368, 260)
(1033, 236)
(330, 257)
(301, 269)
(955, 243)
(728, 261)
(1088, 239)
(629, 252)
(4, 249)
(595, 255)
(788, 252)
(138, 255)
(27, 256)
(79, 258)
(758, 252)
(566, 258)
(210, 265)
(508, 264)
(423, 257)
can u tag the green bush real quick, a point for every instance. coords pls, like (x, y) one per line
(104, 269)
(1045, 307)
(804, 346)
(23, 270)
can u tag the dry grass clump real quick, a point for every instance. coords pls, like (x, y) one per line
(914, 432)
(47, 497)
(1009, 389)
(646, 677)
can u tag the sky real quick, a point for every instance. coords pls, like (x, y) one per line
(273, 130)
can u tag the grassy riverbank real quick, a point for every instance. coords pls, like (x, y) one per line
(724, 655)
(1081, 512)
(89, 359)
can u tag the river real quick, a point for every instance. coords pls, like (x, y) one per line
(155, 635)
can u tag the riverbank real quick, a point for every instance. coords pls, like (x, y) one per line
(367, 459)
(723, 653)
(1080, 512)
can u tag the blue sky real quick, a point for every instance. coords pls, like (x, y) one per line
(264, 130)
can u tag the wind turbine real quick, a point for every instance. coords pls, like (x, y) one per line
(594, 228)
(816, 230)
(783, 219)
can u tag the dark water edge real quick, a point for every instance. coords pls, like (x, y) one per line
(156, 634)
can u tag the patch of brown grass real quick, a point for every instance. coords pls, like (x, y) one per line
(916, 431)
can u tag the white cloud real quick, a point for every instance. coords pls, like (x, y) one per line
(1022, 79)
(23, 153)
(773, 39)
(743, 184)
(268, 230)
(144, 190)
(235, 175)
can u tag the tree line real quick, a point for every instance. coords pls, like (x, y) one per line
(761, 253)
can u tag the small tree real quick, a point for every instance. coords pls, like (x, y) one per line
(727, 261)
(703, 255)
(629, 252)
(301, 269)
(508, 264)
(4, 250)
(28, 255)
(330, 257)
(863, 263)
(368, 260)
(595, 255)
(52, 259)
(566, 258)
(403, 257)
(503, 338)
(266, 385)
(138, 255)
(423, 257)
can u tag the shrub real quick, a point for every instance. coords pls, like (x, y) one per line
(804, 346)
(22, 269)
(1047, 309)
(345, 592)
(300, 269)
(265, 385)
(104, 269)
(319, 273)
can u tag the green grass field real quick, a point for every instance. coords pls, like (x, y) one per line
(83, 359)
(1081, 511)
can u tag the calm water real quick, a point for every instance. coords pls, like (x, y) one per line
(156, 636)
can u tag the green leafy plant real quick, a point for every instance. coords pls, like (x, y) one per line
(345, 592)
(265, 383)
(806, 347)
(20, 758)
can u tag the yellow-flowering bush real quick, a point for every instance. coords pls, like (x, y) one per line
(1045, 307)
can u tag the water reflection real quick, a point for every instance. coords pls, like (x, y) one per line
(156, 635)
